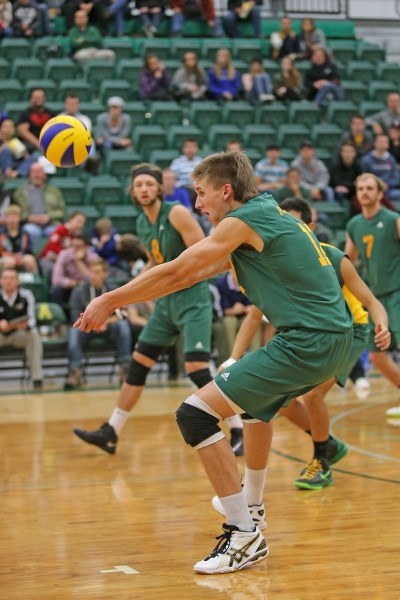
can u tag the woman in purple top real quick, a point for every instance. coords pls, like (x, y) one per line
(154, 82)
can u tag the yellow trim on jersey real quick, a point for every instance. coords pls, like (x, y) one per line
(360, 315)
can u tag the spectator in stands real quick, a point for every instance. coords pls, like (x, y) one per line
(27, 19)
(184, 165)
(6, 164)
(197, 10)
(233, 146)
(71, 268)
(285, 42)
(242, 11)
(235, 306)
(323, 79)
(42, 205)
(114, 126)
(172, 193)
(271, 171)
(98, 12)
(21, 160)
(314, 174)
(293, 187)
(15, 243)
(394, 141)
(116, 330)
(189, 82)
(223, 78)
(132, 257)
(6, 16)
(362, 140)
(310, 38)
(86, 40)
(287, 83)
(138, 315)
(382, 120)
(151, 13)
(344, 171)
(256, 83)
(104, 240)
(154, 80)
(60, 239)
(18, 323)
(381, 163)
(321, 229)
(31, 120)
(117, 9)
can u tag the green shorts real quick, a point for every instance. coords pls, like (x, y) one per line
(188, 312)
(360, 342)
(391, 302)
(291, 364)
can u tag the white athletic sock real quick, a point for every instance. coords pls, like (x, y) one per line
(234, 422)
(237, 512)
(118, 419)
(253, 488)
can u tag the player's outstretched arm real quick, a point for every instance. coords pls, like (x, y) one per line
(360, 290)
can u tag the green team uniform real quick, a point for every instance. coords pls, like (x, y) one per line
(378, 245)
(360, 315)
(293, 283)
(188, 311)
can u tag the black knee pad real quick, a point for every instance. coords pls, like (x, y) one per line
(148, 350)
(195, 424)
(200, 377)
(137, 373)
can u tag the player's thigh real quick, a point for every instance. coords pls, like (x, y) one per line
(159, 330)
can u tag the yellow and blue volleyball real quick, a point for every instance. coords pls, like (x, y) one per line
(65, 141)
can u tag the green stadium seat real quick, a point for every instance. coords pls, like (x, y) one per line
(138, 111)
(239, 113)
(253, 154)
(340, 112)
(45, 47)
(337, 29)
(271, 67)
(10, 91)
(78, 87)
(123, 217)
(360, 70)
(159, 46)
(172, 65)
(97, 71)
(119, 162)
(72, 189)
(326, 136)
(258, 137)
(370, 107)
(163, 158)
(379, 90)
(59, 69)
(180, 46)
(115, 87)
(47, 85)
(147, 138)
(4, 68)
(324, 155)
(210, 46)
(219, 135)
(35, 283)
(92, 110)
(248, 49)
(123, 46)
(177, 134)
(336, 214)
(10, 185)
(59, 25)
(303, 66)
(370, 52)
(272, 114)
(129, 69)
(292, 135)
(15, 108)
(26, 68)
(388, 71)
(304, 113)
(204, 114)
(355, 91)
(165, 113)
(91, 213)
(196, 29)
(103, 190)
(268, 26)
(343, 50)
(12, 48)
(288, 154)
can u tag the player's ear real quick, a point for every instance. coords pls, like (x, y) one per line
(311, 226)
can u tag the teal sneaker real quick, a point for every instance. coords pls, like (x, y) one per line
(336, 450)
(317, 476)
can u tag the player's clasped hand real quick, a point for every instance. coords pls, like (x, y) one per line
(95, 316)
(382, 337)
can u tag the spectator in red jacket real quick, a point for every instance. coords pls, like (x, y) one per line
(61, 239)
(196, 10)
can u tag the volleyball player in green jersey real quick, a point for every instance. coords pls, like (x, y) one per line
(284, 271)
(374, 235)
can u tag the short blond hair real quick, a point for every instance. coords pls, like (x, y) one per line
(13, 209)
(380, 184)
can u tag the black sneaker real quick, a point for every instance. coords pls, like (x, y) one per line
(237, 441)
(105, 437)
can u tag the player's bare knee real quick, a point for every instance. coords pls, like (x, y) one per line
(198, 423)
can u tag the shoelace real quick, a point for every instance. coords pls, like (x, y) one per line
(312, 470)
(224, 541)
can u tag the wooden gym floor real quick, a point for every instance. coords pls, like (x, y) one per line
(77, 523)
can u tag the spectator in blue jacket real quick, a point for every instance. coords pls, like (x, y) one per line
(381, 163)
(223, 78)
(172, 193)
